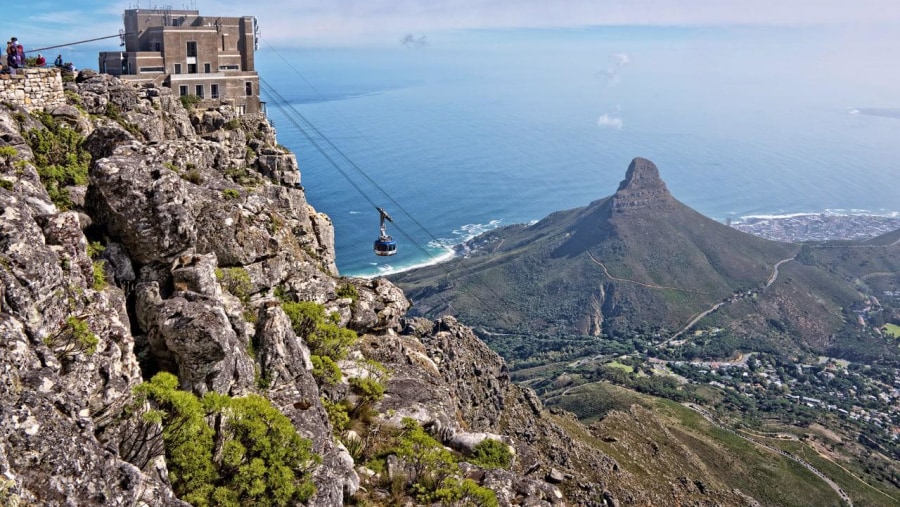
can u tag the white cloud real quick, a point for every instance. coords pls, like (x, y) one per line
(610, 121)
(614, 67)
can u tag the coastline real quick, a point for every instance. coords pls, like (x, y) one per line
(828, 225)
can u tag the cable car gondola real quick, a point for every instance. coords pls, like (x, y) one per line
(385, 245)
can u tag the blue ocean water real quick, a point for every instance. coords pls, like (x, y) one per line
(480, 129)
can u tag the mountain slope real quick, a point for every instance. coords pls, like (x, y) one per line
(639, 258)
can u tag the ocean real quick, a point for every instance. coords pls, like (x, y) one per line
(468, 131)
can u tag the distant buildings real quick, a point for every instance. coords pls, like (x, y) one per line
(211, 57)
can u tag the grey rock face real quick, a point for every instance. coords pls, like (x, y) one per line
(642, 188)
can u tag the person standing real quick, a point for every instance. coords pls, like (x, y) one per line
(12, 57)
(41, 61)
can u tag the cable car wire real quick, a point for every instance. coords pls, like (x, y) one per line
(353, 164)
(296, 118)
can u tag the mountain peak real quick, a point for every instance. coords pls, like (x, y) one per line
(642, 188)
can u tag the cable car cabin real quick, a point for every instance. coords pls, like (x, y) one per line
(385, 246)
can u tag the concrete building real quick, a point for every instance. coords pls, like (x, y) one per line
(211, 57)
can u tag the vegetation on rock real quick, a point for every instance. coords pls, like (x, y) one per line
(60, 158)
(228, 451)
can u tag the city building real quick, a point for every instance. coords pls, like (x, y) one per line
(211, 57)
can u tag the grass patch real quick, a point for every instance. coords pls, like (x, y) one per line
(892, 330)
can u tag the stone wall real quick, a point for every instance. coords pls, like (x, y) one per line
(32, 88)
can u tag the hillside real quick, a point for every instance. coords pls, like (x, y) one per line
(638, 291)
(639, 258)
(642, 262)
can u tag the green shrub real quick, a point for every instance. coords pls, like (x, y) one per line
(60, 158)
(426, 462)
(230, 193)
(338, 414)
(8, 153)
(325, 371)
(232, 124)
(464, 492)
(75, 336)
(321, 333)
(228, 451)
(113, 112)
(348, 290)
(193, 176)
(368, 388)
(94, 249)
(490, 453)
(236, 281)
(99, 275)
(189, 101)
(6, 184)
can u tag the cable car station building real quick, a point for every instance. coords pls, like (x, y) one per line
(207, 56)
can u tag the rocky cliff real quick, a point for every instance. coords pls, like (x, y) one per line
(642, 188)
(173, 252)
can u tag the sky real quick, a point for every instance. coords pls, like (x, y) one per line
(332, 23)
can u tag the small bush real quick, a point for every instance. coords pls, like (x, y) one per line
(6, 184)
(338, 414)
(426, 462)
(189, 101)
(230, 193)
(60, 158)
(99, 275)
(74, 337)
(463, 492)
(193, 176)
(348, 290)
(232, 124)
(322, 334)
(325, 371)
(490, 453)
(8, 153)
(228, 451)
(236, 281)
(94, 249)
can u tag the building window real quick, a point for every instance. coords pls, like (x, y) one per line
(178, 68)
(213, 91)
(153, 69)
(192, 68)
(182, 90)
(199, 89)
(192, 48)
(207, 68)
(248, 88)
(229, 67)
(157, 47)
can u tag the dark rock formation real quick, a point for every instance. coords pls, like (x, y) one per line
(642, 188)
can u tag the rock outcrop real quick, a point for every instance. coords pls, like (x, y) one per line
(642, 188)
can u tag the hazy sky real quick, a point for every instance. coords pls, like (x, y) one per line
(384, 22)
